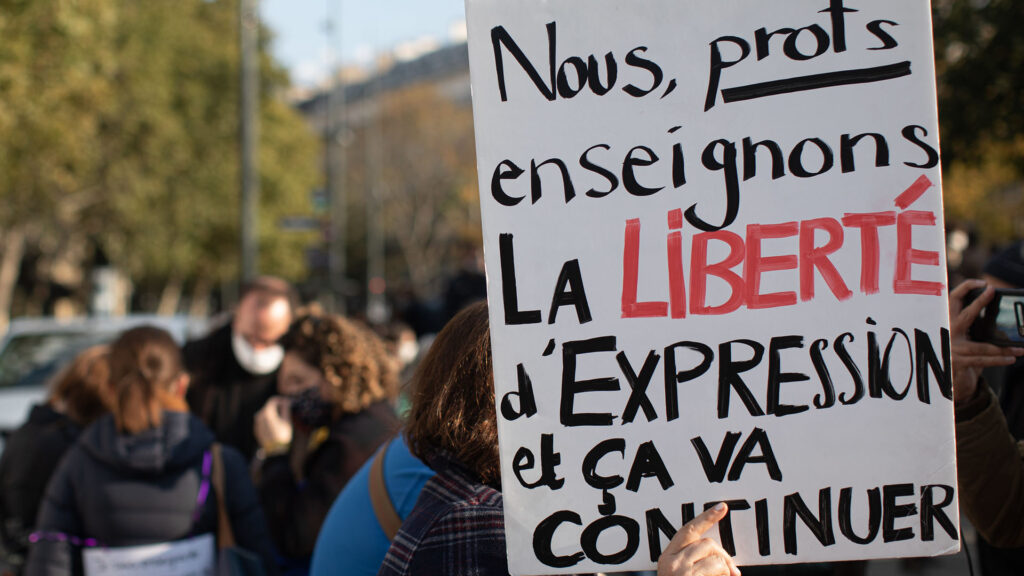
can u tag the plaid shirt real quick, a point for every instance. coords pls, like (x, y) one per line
(457, 527)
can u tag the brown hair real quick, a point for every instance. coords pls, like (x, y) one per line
(351, 357)
(453, 397)
(145, 363)
(270, 286)
(81, 390)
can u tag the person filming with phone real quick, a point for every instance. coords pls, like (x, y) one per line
(985, 332)
(987, 335)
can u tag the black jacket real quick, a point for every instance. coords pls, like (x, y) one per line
(128, 490)
(31, 454)
(222, 393)
(296, 510)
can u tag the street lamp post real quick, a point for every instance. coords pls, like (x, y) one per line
(248, 20)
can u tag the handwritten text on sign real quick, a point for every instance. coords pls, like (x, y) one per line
(715, 257)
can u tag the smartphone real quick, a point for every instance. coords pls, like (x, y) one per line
(1002, 321)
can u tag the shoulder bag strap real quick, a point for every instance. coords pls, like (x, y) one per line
(387, 516)
(225, 537)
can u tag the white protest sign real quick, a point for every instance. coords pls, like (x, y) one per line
(191, 557)
(715, 256)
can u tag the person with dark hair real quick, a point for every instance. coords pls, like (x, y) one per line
(457, 525)
(141, 474)
(234, 367)
(337, 388)
(32, 452)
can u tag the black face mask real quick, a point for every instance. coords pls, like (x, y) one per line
(310, 410)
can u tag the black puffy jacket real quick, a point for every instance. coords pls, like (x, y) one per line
(128, 490)
(31, 455)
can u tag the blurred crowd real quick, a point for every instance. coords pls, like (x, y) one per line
(310, 443)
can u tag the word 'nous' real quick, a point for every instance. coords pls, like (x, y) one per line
(575, 74)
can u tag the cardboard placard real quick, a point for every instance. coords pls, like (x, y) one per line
(715, 258)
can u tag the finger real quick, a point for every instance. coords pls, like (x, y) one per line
(956, 296)
(704, 548)
(971, 348)
(964, 287)
(734, 570)
(983, 361)
(712, 566)
(694, 529)
(270, 414)
(698, 550)
(971, 311)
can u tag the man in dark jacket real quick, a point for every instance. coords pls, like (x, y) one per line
(234, 368)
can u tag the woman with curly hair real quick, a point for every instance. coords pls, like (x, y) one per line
(337, 388)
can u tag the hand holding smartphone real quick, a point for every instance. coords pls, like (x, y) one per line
(1001, 322)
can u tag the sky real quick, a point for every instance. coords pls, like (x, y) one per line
(367, 27)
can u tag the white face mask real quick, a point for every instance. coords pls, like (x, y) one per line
(258, 362)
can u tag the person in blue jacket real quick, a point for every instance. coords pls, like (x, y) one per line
(352, 541)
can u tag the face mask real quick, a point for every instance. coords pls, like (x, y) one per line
(310, 410)
(259, 362)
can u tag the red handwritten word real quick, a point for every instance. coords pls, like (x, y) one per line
(812, 258)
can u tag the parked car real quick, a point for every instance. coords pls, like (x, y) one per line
(34, 349)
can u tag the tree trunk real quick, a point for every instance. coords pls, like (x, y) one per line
(10, 265)
(170, 297)
(200, 305)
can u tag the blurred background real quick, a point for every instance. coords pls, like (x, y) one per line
(152, 154)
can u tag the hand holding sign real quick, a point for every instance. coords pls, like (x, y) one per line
(688, 554)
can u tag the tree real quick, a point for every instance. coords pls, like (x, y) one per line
(119, 130)
(979, 54)
(180, 221)
(54, 76)
(422, 162)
